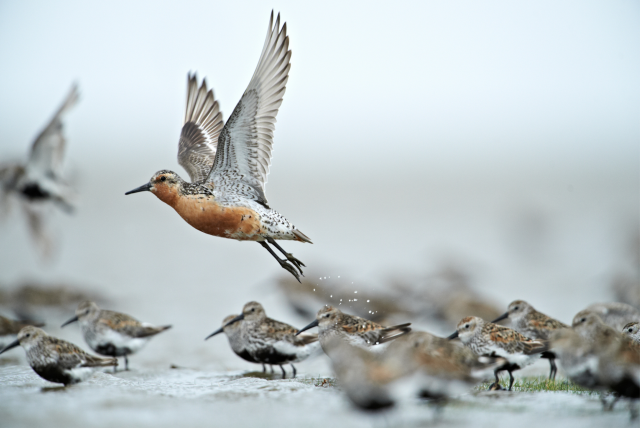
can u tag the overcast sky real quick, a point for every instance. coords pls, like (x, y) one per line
(426, 83)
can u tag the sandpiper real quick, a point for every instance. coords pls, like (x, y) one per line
(596, 356)
(488, 339)
(39, 180)
(632, 330)
(56, 360)
(443, 368)
(366, 377)
(615, 314)
(113, 333)
(228, 165)
(272, 342)
(359, 331)
(534, 325)
(233, 333)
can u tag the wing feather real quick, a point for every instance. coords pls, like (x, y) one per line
(245, 144)
(202, 125)
(47, 150)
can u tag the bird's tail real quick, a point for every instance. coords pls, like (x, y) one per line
(299, 236)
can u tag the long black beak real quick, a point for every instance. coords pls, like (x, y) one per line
(11, 345)
(143, 188)
(74, 319)
(314, 323)
(453, 336)
(214, 333)
(501, 317)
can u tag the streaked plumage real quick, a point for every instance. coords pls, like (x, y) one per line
(113, 333)
(40, 179)
(442, 368)
(233, 332)
(229, 164)
(57, 360)
(268, 341)
(596, 356)
(534, 325)
(492, 340)
(356, 330)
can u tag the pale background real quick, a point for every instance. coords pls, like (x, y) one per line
(501, 137)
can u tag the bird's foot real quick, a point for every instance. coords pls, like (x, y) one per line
(289, 267)
(297, 263)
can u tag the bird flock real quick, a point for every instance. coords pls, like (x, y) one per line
(375, 365)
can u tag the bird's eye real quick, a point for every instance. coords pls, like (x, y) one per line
(28, 335)
(583, 320)
(253, 309)
(466, 326)
(163, 178)
(516, 308)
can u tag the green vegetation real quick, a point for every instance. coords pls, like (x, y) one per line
(538, 384)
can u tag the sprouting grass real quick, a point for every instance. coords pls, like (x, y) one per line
(538, 384)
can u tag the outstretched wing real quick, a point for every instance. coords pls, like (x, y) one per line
(48, 149)
(202, 125)
(244, 147)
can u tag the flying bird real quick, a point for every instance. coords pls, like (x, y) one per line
(39, 180)
(228, 163)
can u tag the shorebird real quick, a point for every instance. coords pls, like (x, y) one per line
(615, 314)
(596, 356)
(228, 165)
(113, 333)
(268, 341)
(488, 339)
(535, 325)
(443, 368)
(56, 360)
(39, 179)
(366, 377)
(332, 322)
(234, 336)
(632, 330)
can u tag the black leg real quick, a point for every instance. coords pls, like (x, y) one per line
(271, 367)
(289, 267)
(126, 363)
(294, 370)
(115, 368)
(495, 385)
(554, 369)
(264, 368)
(284, 374)
(289, 256)
(510, 380)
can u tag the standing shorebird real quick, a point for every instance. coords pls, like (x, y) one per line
(229, 164)
(332, 322)
(57, 360)
(233, 332)
(492, 340)
(535, 325)
(39, 180)
(112, 333)
(268, 341)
